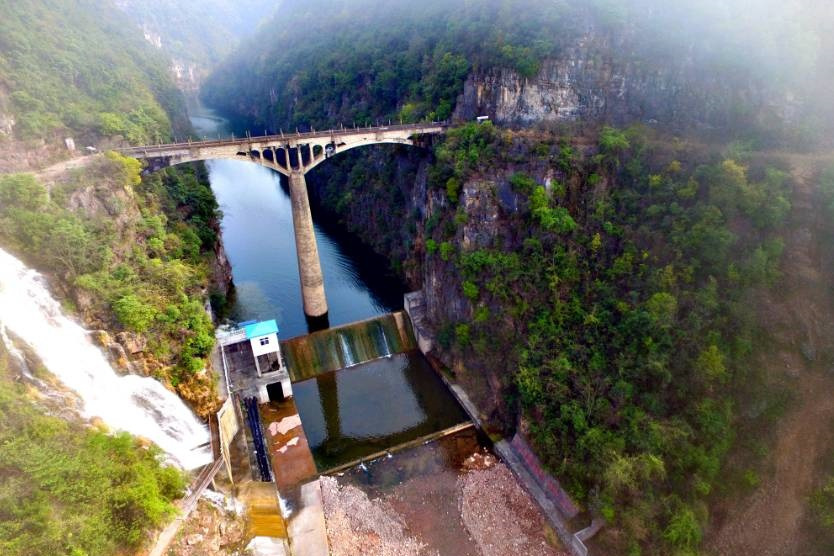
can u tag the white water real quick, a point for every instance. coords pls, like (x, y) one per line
(384, 341)
(347, 355)
(138, 405)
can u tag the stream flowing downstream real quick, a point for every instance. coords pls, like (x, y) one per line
(135, 404)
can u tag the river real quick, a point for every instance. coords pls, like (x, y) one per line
(258, 237)
(353, 412)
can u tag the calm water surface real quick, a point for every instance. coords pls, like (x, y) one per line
(258, 236)
(355, 412)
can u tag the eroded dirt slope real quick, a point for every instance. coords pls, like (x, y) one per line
(798, 317)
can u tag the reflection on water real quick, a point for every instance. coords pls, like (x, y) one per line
(258, 236)
(371, 407)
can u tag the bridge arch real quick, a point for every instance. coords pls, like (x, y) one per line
(286, 154)
(293, 156)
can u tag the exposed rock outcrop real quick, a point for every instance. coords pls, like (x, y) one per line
(595, 80)
(221, 269)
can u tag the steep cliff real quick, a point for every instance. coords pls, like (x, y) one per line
(592, 81)
(578, 287)
(691, 66)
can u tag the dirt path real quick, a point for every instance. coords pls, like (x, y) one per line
(800, 317)
(51, 173)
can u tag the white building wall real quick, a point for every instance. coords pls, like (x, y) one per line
(271, 347)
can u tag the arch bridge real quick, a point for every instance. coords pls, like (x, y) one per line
(292, 155)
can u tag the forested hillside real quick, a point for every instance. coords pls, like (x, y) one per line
(197, 34)
(719, 65)
(593, 286)
(83, 69)
(130, 255)
(627, 281)
(134, 254)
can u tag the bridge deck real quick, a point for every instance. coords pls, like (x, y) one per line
(292, 137)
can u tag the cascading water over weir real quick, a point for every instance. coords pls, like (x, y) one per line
(139, 405)
(347, 346)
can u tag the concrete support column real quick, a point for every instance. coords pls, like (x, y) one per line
(300, 153)
(287, 158)
(309, 266)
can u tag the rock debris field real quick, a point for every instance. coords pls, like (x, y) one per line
(477, 509)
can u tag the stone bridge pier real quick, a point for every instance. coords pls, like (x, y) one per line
(309, 265)
(292, 155)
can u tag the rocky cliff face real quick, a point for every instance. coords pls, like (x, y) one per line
(379, 195)
(598, 79)
(383, 195)
(221, 269)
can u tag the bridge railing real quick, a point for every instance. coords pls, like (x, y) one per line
(342, 131)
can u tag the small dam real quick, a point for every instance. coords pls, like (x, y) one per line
(347, 346)
(363, 389)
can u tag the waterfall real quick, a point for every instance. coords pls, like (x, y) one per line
(386, 352)
(348, 356)
(135, 404)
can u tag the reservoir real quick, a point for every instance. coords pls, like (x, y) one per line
(258, 236)
(359, 390)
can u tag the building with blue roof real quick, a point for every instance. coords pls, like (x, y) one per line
(252, 355)
(258, 329)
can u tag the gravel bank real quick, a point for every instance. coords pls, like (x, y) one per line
(358, 525)
(479, 509)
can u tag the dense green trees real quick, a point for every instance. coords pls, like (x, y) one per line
(146, 274)
(66, 489)
(83, 69)
(626, 292)
(366, 60)
(370, 59)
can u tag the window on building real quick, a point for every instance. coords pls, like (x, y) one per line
(264, 341)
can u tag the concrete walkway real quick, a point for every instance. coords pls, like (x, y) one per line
(295, 478)
(307, 527)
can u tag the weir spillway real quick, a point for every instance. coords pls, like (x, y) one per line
(347, 346)
(363, 389)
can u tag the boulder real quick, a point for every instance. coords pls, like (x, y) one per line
(132, 342)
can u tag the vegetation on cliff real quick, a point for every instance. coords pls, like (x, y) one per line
(365, 60)
(373, 60)
(197, 33)
(618, 306)
(66, 489)
(83, 69)
(132, 254)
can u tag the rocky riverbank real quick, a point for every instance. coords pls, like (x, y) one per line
(448, 497)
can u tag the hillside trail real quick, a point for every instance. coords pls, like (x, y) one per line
(799, 315)
(51, 173)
